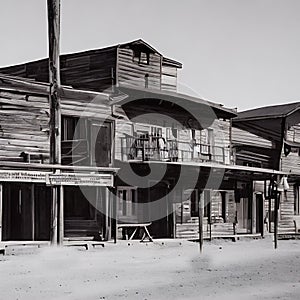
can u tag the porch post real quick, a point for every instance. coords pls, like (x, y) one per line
(276, 220)
(107, 214)
(115, 206)
(54, 208)
(200, 211)
(61, 217)
(32, 213)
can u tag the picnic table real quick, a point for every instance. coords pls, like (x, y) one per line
(136, 227)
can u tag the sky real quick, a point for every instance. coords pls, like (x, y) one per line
(241, 53)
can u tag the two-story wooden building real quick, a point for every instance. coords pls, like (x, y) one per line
(120, 110)
(269, 137)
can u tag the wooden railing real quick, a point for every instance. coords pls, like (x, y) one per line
(157, 148)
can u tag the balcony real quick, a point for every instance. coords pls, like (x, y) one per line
(156, 148)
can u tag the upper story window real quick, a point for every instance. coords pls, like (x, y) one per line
(86, 142)
(141, 57)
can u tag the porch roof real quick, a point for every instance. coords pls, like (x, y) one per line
(135, 101)
(229, 171)
(268, 122)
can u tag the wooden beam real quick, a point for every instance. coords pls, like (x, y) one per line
(54, 78)
(54, 123)
(61, 216)
(54, 219)
(201, 210)
(32, 213)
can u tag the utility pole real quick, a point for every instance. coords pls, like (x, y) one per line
(54, 80)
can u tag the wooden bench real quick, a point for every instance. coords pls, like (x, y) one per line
(296, 221)
(137, 226)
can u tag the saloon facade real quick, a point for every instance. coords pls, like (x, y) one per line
(110, 101)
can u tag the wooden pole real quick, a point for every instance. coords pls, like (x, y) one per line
(200, 212)
(61, 216)
(116, 216)
(54, 80)
(32, 213)
(276, 220)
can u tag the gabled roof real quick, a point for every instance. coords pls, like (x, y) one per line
(138, 42)
(273, 111)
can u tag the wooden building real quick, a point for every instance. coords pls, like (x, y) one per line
(269, 137)
(26, 175)
(109, 95)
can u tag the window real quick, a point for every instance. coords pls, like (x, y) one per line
(141, 57)
(172, 133)
(127, 201)
(86, 141)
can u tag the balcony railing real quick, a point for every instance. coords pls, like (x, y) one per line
(157, 148)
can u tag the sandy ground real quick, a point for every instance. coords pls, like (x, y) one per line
(160, 270)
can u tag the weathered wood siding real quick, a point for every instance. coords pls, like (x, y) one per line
(250, 149)
(169, 78)
(91, 70)
(132, 73)
(85, 104)
(293, 133)
(24, 126)
(244, 137)
(291, 162)
(286, 212)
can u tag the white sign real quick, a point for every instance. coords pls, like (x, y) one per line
(57, 179)
(23, 176)
(80, 179)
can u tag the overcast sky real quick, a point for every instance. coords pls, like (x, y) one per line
(242, 53)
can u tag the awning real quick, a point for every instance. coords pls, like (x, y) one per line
(192, 174)
(185, 109)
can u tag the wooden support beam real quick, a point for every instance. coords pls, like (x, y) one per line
(115, 205)
(201, 211)
(32, 213)
(61, 216)
(54, 123)
(54, 221)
